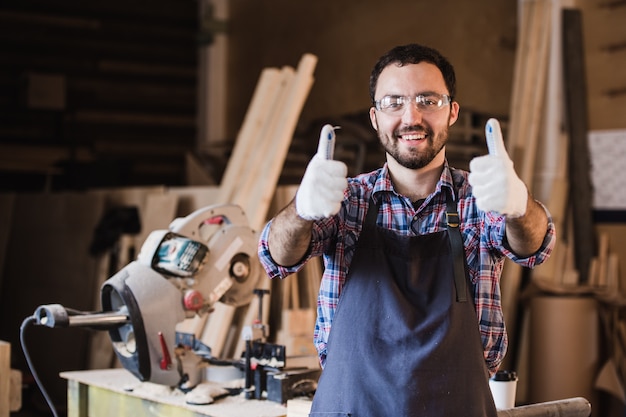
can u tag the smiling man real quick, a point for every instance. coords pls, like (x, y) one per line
(409, 315)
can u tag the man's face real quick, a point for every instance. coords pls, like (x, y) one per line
(413, 137)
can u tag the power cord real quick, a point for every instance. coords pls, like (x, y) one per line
(28, 321)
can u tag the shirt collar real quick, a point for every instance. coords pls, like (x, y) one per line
(383, 182)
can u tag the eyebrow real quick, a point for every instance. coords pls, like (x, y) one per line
(421, 93)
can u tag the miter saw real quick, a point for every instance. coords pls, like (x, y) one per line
(155, 308)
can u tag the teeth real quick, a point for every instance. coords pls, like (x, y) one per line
(413, 137)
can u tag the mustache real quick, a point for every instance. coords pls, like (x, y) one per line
(415, 128)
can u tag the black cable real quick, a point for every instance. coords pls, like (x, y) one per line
(27, 322)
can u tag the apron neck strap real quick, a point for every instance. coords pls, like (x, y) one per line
(453, 221)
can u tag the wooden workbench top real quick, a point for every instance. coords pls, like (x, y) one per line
(110, 386)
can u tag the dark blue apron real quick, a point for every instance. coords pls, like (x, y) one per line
(403, 341)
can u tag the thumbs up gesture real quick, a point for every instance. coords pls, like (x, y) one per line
(495, 184)
(321, 191)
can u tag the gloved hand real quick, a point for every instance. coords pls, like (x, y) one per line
(495, 184)
(321, 191)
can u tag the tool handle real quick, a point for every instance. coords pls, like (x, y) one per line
(326, 146)
(495, 142)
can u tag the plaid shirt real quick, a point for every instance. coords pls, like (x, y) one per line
(335, 239)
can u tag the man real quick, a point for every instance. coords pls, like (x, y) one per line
(413, 254)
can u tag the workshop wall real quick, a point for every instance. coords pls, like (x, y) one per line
(98, 93)
(349, 36)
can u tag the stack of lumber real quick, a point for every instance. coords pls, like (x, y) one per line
(252, 174)
(548, 142)
(581, 261)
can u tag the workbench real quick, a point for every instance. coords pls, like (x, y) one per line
(116, 392)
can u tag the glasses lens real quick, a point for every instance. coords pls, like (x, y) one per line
(391, 104)
(426, 103)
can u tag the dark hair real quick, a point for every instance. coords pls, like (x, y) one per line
(414, 54)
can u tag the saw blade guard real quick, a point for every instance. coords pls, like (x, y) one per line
(230, 270)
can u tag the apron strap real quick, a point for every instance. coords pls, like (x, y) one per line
(456, 242)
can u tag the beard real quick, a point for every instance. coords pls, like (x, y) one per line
(414, 158)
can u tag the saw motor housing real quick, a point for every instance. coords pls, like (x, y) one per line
(167, 292)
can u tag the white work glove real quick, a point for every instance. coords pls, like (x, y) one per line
(321, 192)
(495, 184)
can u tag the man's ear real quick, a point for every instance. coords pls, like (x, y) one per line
(373, 118)
(454, 113)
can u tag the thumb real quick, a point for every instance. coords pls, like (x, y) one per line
(326, 146)
(495, 142)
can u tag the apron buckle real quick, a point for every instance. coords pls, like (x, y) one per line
(452, 219)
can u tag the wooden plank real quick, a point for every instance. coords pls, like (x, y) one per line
(612, 278)
(263, 98)
(313, 272)
(10, 382)
(5, 382)
(258, 199)
(213, 79)
(524, 57)
(579, 161)
(195, 173)
(536, 102)
(603, 259)
(569, 407)
(264, 101)
(191, 198)
(274, 160)
(267, 130)
(15, 390)
(251, 174)
(215, 332)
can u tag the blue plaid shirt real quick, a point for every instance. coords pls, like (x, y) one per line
(335, 239)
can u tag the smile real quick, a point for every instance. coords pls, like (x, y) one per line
(413, 136)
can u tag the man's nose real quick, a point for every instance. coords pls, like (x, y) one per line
(411, 113)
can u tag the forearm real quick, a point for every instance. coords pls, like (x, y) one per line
(525, 234)
(289, 236)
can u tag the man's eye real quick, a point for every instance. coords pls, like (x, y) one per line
(391, 103)
(430, 101)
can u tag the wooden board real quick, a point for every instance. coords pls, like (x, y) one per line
(10, 383)
(5, 368)
(579, 162)
(252, 175)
